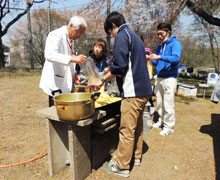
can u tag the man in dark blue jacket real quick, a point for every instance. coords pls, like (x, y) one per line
(166, 60)
(130, 68)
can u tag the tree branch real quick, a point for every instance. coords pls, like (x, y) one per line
(39, 1)
(2, 9)
(200, 12)
(179, 6)
(14, 20)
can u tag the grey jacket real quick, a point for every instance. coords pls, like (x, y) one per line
(216, 92)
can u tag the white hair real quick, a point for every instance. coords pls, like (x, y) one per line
(77, 21)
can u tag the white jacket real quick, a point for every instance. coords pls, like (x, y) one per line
(58, 71)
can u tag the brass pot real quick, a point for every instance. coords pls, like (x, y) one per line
(75, 106)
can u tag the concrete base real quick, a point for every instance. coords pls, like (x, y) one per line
(80, 152)
(85, 143)
(69, 142)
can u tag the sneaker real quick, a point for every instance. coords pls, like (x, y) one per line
(67, 162)
(157, 125)
(166, 131)
(137, 162)
(113, 168)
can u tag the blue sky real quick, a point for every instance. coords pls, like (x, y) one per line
(55, 4)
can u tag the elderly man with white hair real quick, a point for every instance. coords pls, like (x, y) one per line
(60, 58)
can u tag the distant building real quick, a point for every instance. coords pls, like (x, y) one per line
(7, 59)
(19, 54)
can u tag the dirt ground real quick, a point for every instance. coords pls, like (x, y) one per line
(191, 153)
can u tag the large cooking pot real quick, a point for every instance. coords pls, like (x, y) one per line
(75, 106)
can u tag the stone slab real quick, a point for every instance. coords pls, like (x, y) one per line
(51, 113)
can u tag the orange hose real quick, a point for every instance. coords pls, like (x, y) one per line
(25, 162)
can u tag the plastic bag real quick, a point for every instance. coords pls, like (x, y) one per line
(112, 88)
(147, 119)
(90, 70)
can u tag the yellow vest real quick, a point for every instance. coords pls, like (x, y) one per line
(150, 68)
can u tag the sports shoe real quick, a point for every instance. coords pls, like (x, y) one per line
(157, 125)
(67, 162)
(166, 131)
(137, 162)
(113, 168)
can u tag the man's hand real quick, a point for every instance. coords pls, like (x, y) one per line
(154, 56)
(101, 82)
(97, 85)
(106, 70)
(148, 58)
(80, 59)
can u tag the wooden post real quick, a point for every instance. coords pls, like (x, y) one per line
(30, 35)
(49, 17)
(108, 35)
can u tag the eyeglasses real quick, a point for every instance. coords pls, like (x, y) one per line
(79, 32)
(161, 33)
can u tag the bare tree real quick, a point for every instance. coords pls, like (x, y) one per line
(40, 26)
(209, 34)
(92, 12)
(39, 31)
(6, 7)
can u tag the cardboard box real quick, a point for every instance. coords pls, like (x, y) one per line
(187, 90)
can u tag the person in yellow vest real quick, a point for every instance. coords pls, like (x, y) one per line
(150, 72)
(149, 63)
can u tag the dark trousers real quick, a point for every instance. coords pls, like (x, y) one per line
(151, 102)
(51, 102)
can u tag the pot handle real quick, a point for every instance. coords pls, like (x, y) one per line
(56, 91)
(63, 107)
(95, 95)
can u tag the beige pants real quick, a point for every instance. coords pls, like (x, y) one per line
(165, 89)
(131, 130)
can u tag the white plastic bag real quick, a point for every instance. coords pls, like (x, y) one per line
(147, 119)
(90, 70)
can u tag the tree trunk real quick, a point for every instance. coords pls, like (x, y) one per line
(30, 36)
(217, 56)
(2, 56)
(178, 8)
(108, 35)
(214, 59)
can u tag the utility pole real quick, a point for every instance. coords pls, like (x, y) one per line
(49, 17)
(108, 35)
(28, 5)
